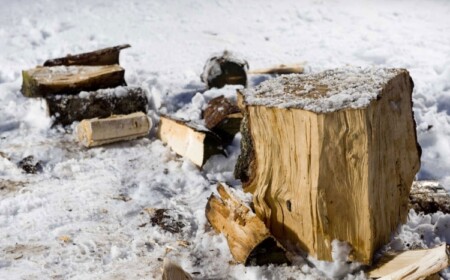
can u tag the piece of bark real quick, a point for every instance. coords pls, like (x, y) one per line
(30, 165)
(280, 69)
(224, 69)
(189, 140)
(249, 240)
(106, 56)
(223, 117)
(330, 156)
(411, 265)
(172, 271)
(429, 197)
(96, 132)
(47, 81)
(103, 103)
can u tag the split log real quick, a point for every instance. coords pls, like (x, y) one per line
(429, 197)
(411, 265)
(330, 156)
(172, 271)
(46, 81)
(280, 69)
(224, 69)
(249, 240)
(223, 117)
(96, 132)
(107, 56)
(103, 103)
(189, 139)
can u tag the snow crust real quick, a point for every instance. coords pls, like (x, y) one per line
(327, 91)
(84, 217)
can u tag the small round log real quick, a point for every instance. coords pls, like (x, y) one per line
(225, 69)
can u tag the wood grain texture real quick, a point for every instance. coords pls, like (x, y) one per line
(249, 239)
(106, 56)
(96, 132)
(342, 175)
(46, 81)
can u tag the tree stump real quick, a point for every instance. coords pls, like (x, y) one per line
(330, 156)
(65, 109)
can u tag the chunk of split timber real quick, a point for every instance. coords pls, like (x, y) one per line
(429, 197)
(249, 239)
(103, 103)
(224, 69)
(106, 56)
(223, 117)
(189, 139)
(96, 132)
(172, 271)
(412, 265)
(280, 69)
(46, 81)
(330, 155)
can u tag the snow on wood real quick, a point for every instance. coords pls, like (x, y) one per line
(249, 239)
(189, 139)
(96, 132)
(46, 81)
(330, 156)
(106, 56)
(411, 265)
(429, 197)
(102, 103)
(224, 69)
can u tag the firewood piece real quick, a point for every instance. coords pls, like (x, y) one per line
(46, 81)
(223, 117)
(106, 56)
(331, 156)
(280, 69)
(189, 139)
(172, 271)
(103, 103)
(429, 197)
(224, 69)
(411, 265)
(249, 240)
(96, 132)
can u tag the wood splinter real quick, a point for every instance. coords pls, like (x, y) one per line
(96, 132)
(249, 240)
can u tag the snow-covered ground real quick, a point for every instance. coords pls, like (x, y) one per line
(86, 215)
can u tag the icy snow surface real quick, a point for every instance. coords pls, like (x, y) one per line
(85, 215)
(327, 91)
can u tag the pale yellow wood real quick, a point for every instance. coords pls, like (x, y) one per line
(96, 132)
(411, 265)
(244, 231)
(343, 174)
(280, 69)
(172, 271)
(188, 140)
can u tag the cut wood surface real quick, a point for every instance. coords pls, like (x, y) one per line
(330, 156)
(223, 117)
(106, 56)
(46, 81)
(411, 265)
(172, 271)
(189, 139)
(96, 132)
(103, 103)
(280, 69)
(224, 69)
(429, 197)
(249, 239)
